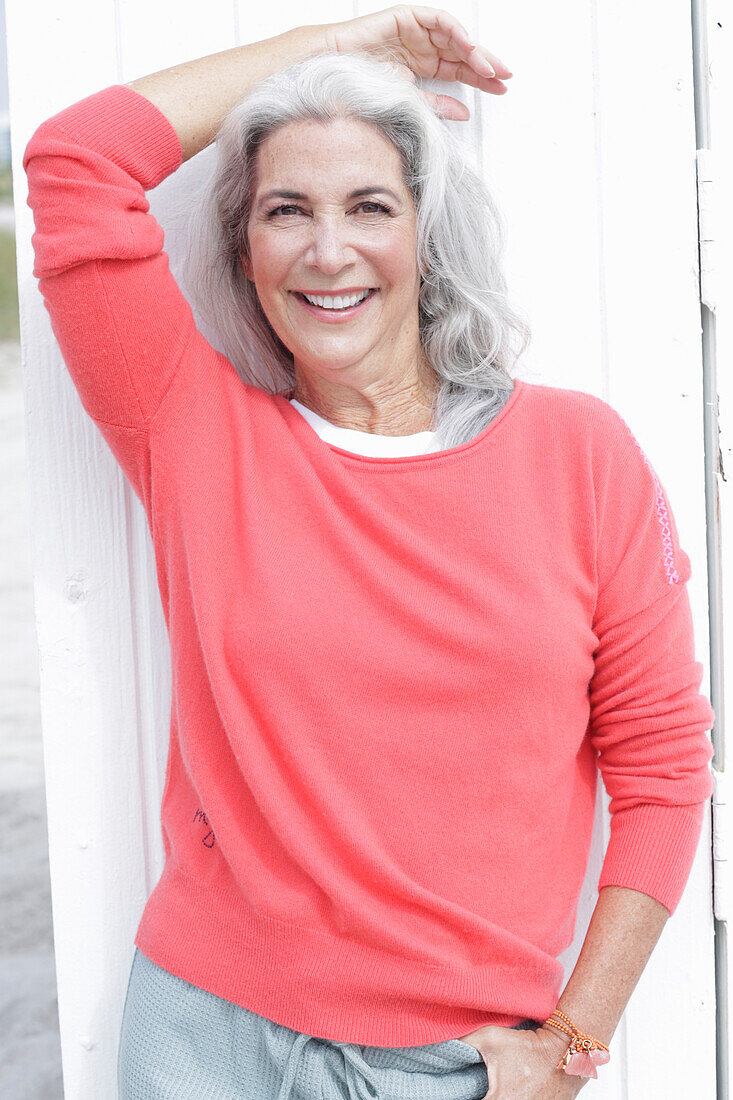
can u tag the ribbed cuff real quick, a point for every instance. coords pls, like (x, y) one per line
(652, 849)
(122, 125)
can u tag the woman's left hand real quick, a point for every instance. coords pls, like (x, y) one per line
(521, 1065)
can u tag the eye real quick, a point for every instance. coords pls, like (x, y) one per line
(379, 205)
(277, 209)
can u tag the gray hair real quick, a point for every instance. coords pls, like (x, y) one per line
(465, 320)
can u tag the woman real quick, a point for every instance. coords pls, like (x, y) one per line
(413, 602)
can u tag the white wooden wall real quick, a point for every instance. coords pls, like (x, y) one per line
(591, 155)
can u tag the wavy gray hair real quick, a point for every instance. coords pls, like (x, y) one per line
(466, 323)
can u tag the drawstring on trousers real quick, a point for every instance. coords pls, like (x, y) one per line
(291, 1066)
(358, 1074)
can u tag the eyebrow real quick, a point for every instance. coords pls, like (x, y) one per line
(373, 189)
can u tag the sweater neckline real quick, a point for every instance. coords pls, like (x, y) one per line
(368, 443)
(310, 437)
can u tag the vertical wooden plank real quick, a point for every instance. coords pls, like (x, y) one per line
(155, 36)
(540, 159)
(105, 686)
(81, 572)
(259, 21)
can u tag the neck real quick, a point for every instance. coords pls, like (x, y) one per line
(383, 407)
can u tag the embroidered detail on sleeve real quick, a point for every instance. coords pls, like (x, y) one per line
(673, 576)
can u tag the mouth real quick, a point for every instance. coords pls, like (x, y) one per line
(334, 315)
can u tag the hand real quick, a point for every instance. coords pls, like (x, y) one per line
(521, 1065)
(425, 42)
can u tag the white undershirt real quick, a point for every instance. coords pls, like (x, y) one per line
(367, 443)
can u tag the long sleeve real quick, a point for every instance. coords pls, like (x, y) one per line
(648, 718)
(120, 319)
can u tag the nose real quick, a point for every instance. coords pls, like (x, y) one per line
(329, 249)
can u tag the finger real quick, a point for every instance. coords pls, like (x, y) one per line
(419, 30)
(445, 106)
(449, 35)
(415, 38)
(444, 43)
(446, 33)
(494, 1086)
(464, 74)
(447, 71)
(494, 86)
(439, 20)
(472, 56)
(497, 65)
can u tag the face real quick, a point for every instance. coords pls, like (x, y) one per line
(328, 239)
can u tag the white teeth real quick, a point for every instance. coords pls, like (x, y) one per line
(338, 302)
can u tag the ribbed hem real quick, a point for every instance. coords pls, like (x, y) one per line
(324, 985)
(652, 849)
(122, 125)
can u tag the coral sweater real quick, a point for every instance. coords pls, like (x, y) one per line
(394, 678)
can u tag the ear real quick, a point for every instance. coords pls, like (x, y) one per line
(246, 265)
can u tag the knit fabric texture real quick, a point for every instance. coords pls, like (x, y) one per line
(179, 1040)
(394, 680)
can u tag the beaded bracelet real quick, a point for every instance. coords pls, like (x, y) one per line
(584, 1052)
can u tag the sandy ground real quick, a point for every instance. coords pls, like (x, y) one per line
(30, 1052)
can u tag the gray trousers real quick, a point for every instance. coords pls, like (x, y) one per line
(180, 1041)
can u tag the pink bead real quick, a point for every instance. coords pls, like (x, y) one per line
(581, 1065)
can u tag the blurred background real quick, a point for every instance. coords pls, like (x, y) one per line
(30, 1050)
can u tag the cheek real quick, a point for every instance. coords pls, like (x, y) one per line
(271, 261)
(395, 263)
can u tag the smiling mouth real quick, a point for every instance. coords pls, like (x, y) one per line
(325, 311)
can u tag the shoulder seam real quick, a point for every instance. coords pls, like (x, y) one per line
(133, 388)
(173, 378)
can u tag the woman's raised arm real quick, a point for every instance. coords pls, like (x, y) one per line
(196, 95)
(424, 42)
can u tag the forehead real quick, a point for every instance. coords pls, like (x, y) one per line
(341, 149)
